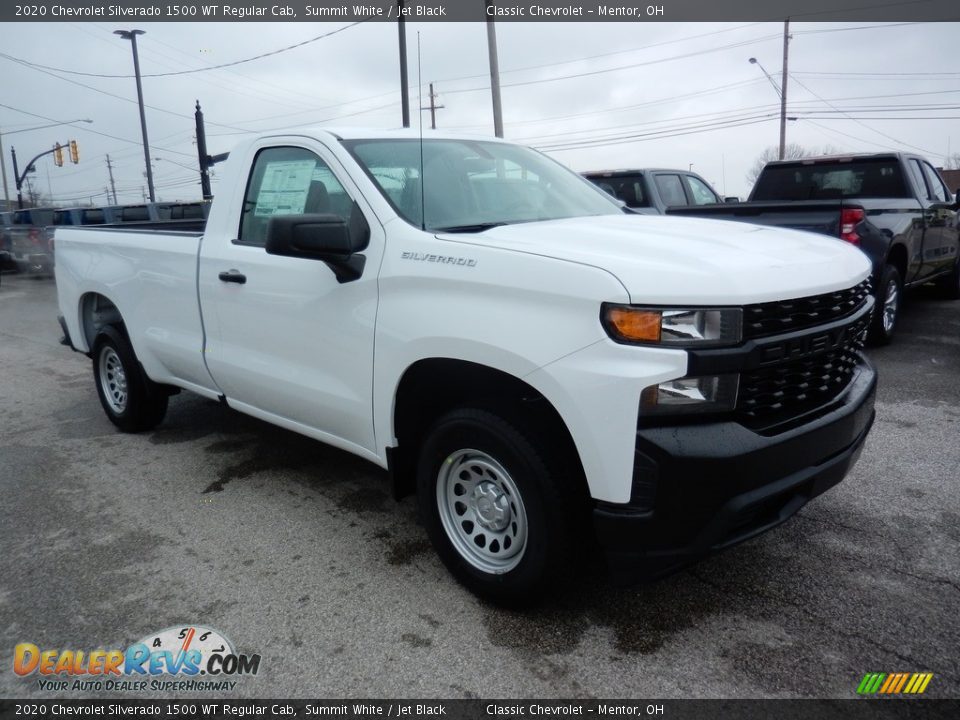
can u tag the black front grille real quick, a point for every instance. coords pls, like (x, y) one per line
(773, 318)
(802, 374)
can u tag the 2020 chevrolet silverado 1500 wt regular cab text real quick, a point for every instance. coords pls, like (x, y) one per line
(542, 369)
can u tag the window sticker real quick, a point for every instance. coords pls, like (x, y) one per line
(284, 188)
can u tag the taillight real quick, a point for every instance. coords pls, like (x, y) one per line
(849, 219)
(34, 236)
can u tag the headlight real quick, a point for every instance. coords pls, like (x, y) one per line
(706, 394)
(672, 327)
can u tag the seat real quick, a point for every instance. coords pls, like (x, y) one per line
(318, 199)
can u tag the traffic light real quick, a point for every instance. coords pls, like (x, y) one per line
(74, 152)
(58, 155)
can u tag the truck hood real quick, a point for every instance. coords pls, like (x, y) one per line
(689, 261)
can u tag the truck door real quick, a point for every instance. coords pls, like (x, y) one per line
(940, 243)
(285, 341)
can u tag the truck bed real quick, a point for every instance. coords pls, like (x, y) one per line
(153, 274)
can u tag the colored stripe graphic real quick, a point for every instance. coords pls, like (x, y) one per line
(901, 682)
(891, 679)
(894, 683)
(870, 683)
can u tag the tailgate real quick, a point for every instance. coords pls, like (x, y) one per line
(813, 216)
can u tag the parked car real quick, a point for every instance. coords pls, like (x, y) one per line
(29, 243)
(6, 242)
(651, 191)
(541, 368)
(893, 206)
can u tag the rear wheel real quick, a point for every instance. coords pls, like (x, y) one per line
(130, 399)
(886, 313)
(494, 507)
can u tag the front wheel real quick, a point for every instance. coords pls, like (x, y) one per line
(130, 399)
(494, 509)
(886, 313)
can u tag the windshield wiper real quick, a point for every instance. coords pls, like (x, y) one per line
(476, 227)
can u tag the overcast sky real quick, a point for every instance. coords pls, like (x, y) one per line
(853, 87)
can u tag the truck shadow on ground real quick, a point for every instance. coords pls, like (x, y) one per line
(777, 599)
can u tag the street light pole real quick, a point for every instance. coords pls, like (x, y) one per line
(131, 35)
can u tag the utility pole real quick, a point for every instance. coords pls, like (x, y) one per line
(433, 108)
(404, 84)
(112, 186)
(16, 176)
(494, 73)
(783, 89)
(205, 163)
(3, 169)
(131, 35)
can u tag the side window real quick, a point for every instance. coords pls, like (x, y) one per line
(288, 181)
(671, 190)
(701, 193)
(938, 190)
(917, 174)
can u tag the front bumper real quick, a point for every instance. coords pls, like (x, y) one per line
(706, 487)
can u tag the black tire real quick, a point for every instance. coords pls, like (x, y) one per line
(458, 450)
(948, 287)
(130, 399)
(886, 312)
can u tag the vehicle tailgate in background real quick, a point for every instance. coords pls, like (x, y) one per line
(812, 215)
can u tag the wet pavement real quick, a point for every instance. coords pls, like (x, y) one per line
(297, 551)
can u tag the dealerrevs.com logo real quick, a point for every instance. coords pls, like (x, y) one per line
(195, 657)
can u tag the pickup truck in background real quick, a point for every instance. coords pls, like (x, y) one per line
(542, 369)
(652, 191)
(893, 206)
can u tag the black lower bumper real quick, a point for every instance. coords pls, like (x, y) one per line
(717, 484)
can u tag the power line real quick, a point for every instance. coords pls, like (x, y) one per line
(192, 71)
(591, 73)
(863, 124)
(690, 129)
(109, 94)
(89, 130)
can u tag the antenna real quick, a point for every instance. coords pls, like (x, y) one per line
(423, 203)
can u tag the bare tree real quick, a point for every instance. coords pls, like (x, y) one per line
(793, 151)
(952, 161)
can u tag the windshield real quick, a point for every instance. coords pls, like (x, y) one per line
(469, 186)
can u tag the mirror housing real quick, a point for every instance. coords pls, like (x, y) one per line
(731, 200)
(325, 237)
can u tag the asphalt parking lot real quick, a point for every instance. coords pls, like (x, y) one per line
(297, 552)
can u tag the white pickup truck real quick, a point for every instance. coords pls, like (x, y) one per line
(546, 372)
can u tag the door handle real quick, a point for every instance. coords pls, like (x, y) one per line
(233, 276)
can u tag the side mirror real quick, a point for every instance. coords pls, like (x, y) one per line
(731, 200)
(318, 237)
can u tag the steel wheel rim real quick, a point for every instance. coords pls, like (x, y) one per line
(890, 303)
(482, 511)
(113, 380)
